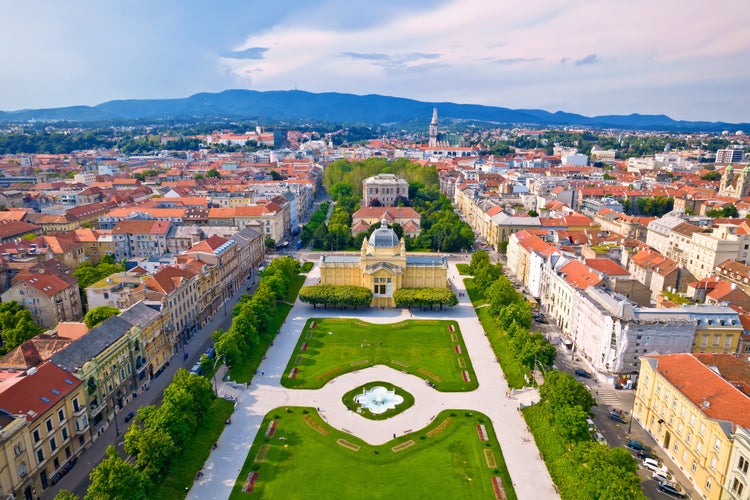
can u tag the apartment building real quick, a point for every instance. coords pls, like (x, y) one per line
(693, 406)
(140, 238)
(45, 427)
(104, 360)
(724, 242)
(48, 297)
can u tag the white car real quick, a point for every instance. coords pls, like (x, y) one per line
(663, 476)
(652, 464)
(599, 438)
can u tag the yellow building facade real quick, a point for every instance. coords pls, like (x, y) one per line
(693, 413)
(383, 266)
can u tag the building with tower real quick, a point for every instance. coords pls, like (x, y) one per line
(434, 129)
(384, 266)
(735, 184)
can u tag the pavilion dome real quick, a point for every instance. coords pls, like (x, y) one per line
(384, 237)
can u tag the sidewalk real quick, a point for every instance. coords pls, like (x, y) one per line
(528, 472)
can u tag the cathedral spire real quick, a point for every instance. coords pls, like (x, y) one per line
(434, 129)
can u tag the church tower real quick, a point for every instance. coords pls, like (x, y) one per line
(733, 184)
(434, 129)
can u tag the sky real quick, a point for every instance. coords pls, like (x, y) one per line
(688, 59)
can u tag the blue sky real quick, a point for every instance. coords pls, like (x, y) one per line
(688, 59)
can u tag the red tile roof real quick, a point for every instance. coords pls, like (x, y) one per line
(716, 397)
(35, 394)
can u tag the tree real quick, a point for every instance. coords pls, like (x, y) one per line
(65, 495)
(16, 326)
(561, 390)
(152, 448)
(213, 173)
(713, 175)
(269, 243)
(116, 479)
(99, 314)
(532, 213)
(570, 423)
(275, 175)
(477, 258)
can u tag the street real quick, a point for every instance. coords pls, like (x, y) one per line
(77, 480)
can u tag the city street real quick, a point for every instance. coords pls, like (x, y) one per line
(77, 480)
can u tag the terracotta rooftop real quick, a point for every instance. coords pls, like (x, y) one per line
(718, 397)
(34, 394)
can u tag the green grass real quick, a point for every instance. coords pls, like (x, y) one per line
(464, 269)
(294, 286)
(244, 371)
(182, 471)
(349, 402)
(514, 370)
(476, 296)
(423, 348)
(306, 267)
(449, 463)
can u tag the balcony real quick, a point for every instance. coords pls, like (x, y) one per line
(96, 410)
(80, 411)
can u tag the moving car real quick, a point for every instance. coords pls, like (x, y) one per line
(672, 489)
(580, 372)
(129, 416)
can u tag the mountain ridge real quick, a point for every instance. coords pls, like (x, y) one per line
(280, 105)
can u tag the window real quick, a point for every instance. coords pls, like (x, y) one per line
(61, 415)
(698, 447)
(48, 423)
(737, 486)
(708, 484)
(76, 405)
(702, 429)
(728, 341)
(694, 466)
(713, 463)
(65, 433)
(717, 340)
(37, 436)
(52, 444)
(22, 469)
(742, 464)
(17, 449)
(704, 340)
(717, 444)
(692, 419)
(689, 437)
(40, 455)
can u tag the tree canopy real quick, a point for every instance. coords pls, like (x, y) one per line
(16, 326)
(336, 296)
(99, 314)
(116, 479)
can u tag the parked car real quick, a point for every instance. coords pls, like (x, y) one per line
(617, 417)
(582, 373)
(637, 445)
(646, 454)
(664, 476)
(591, 425)
(599, 438)
(652, 464)
(672, 489)
(129, 416)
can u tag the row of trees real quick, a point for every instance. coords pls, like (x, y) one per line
(317, 219)
(252, 314)
(512, 312)
(651, 207)
(336, 296)
(157, 438)
(599, 471)
(421, 297)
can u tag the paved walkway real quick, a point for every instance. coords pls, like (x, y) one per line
(527, 470)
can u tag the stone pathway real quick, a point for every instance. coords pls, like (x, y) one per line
(527, 470)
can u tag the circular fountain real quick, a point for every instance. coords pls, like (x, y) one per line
(378, 399)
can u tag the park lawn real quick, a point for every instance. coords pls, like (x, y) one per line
(244, 371)
(515, 372)
(476, 296)
(182, 471)
(424, 348)
(306, 267)
(464, 269)
(446, 460)
(294, 287)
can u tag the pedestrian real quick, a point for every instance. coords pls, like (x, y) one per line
(262, 374)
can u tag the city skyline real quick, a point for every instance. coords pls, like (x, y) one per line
(671, 58)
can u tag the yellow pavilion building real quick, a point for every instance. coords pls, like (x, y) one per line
(383, 266)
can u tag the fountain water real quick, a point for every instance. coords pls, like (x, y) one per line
(378, 399)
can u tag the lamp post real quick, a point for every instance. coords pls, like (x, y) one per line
(117, 427)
